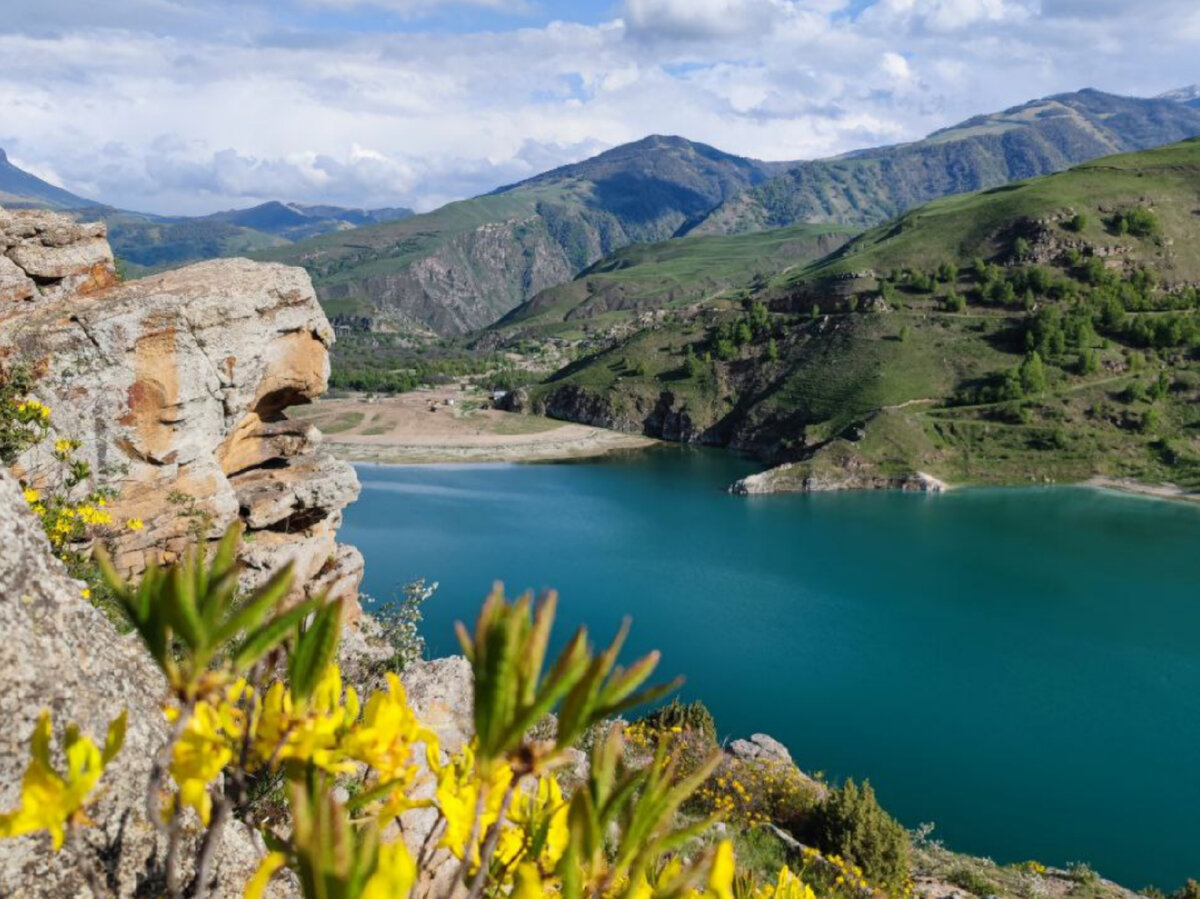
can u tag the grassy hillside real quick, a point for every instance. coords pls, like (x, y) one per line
(666, 275)
(465, 265)
(1047, 330)
(1039, 137)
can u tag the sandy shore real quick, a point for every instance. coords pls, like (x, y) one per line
(1158, 491)
(450, 425)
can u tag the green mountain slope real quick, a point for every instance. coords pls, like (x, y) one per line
(647, 278)
(1036, 138)
(465, 265)
(1045, 330)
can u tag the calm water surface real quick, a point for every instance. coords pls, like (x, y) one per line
(1021, 667)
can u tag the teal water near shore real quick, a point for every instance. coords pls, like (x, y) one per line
(1020, 666)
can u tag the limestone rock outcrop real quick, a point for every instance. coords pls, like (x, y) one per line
(176, 387)
(61, 654)
(47, 256)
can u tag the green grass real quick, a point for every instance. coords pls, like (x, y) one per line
(671, 274)
(340, 423)
(959, 228)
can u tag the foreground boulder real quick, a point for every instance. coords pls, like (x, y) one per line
(59, 653)
(176, 386)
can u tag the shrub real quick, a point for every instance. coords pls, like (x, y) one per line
(851, 823)
(1138, 221)
(971, 881)
(676, 715)
(1190, 890)
(746, 792)
(400, 621)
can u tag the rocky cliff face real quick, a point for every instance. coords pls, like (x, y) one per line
(176, 387)
(469, 281)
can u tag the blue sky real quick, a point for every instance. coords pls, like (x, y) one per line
(194, 105)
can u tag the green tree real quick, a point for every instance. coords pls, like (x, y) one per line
(851, 823)
(1089, 362)
(904, 333)
(772, 351)
(1033, 373)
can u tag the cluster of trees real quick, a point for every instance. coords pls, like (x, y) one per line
(371, 363)
(1137, 221)
(752, 327)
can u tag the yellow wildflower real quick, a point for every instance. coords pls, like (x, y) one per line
(52, 801)
(720, 875)
(528, 883)
(257, 885)
(395, 873)
(205, 748)
(63, 446)
(314, 733)
(86, 593)
(384, 740)
(457, 793)
(134, 524)
(31, 495)
(536, 815)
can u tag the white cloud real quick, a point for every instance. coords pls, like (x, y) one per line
(196, 110)
(690, 19)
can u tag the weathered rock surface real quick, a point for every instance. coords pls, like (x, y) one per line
(441, 693)
(797, 477)
(48, 256)
(176, 386)
(760, 746)
(59, 653)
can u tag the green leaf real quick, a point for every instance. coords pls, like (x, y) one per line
(315, 649)
(256, 607)
(271, 634)
(180, 607)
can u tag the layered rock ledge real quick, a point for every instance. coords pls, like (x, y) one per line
(176, 387)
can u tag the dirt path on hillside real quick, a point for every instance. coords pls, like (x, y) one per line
(451, 425)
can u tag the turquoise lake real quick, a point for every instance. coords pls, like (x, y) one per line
(1021, 667)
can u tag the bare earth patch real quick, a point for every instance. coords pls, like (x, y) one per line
(451, 425)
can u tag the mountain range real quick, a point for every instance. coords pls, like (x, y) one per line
(143, 241)
(467, 264)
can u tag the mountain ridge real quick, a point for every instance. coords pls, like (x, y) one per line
(1038, 137)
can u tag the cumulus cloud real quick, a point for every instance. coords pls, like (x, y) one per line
(182, 107)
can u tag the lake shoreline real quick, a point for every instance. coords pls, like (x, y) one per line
(453, 425)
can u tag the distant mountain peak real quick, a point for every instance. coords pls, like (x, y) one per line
(3, 155)
(1189, 94)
